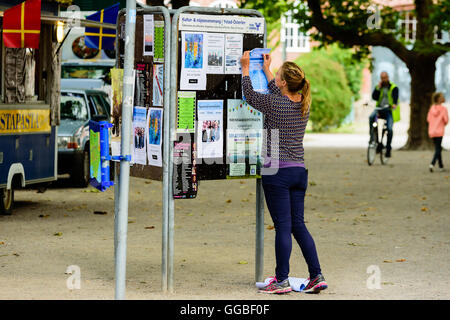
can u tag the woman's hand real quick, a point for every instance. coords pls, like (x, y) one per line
(267, 61)
(245, 63)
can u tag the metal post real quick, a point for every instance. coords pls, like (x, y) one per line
(116, 205)
(124, 178)
(167, 190)
(259, 242)
(259, 245)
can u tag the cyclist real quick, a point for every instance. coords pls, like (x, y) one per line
(386, 94)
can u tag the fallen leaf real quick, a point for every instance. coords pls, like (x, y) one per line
(1, 242)
(243, 262)
(148, 182)
(270, 227)
(387, 261)
(44, 215)
(400, 260)
(312, 183)
(100, 212)
(16, 254)
(228, 201)
(353, 244)
(245, 200)
(58, 234)
(130, 221)
(151, 227)
(424, 209)
(424, 198)
(242, 182)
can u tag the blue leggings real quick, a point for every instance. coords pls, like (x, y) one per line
(285, 194)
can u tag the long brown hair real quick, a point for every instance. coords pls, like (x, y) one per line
(297, 82)
(435, 97)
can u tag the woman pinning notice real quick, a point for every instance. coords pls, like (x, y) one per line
(286, 109)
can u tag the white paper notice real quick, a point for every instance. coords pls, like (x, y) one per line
(193, 61)
(210, 128)
(233, 53)
(148, 35)
(215, 43)
(154, 129)
(158, 74)
(139, 126)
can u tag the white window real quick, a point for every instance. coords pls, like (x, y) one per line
(194, 4)
(296, 40)
(408, 26)
(223, 4)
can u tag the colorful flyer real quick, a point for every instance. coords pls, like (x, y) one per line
(244, 136)
(154, 141)
(186, 111)
(210, 128)
(158, 81)
(148, 35)
(257, 75)
(95, 163)
(158, 55)
(193, 64)
(139, 125)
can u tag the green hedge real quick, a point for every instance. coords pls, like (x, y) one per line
(331, 95)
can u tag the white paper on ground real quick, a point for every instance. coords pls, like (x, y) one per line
(297, 284)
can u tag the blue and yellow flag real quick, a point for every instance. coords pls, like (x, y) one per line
(102, 38)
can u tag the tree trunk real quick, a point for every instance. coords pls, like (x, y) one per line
(422, 71)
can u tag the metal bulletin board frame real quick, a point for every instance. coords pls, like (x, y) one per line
(168, 248)
(121, 216)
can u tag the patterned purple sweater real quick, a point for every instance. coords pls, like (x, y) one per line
(283, 114)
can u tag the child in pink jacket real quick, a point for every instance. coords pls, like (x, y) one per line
(437, 120)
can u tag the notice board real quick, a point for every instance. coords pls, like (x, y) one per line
(225, 132)
(148, 108)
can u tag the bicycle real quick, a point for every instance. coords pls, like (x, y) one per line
(377, 144)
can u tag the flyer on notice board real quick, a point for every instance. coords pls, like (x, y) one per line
(210, 128)
(193, 61)
(215, 43)
(244, 137)
(257, 75)
(186, 111)
(158, 51)
(158, 81)
(154, 141)
(233, 53)
(184, 178)
(139, 126)
(148, 35)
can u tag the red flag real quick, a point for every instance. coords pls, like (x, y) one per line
(22, 25)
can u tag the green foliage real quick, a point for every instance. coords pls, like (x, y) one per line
(350, 21)
(353, 67)
(331, 96)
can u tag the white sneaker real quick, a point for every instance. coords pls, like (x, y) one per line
(441, 169)
(431, 167)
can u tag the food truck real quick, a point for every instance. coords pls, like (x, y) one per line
(29, 109)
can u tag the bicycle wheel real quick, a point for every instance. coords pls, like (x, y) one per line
(383, 158)
(372, 149)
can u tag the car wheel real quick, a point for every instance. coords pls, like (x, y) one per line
(6, 201)
(81, 174)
